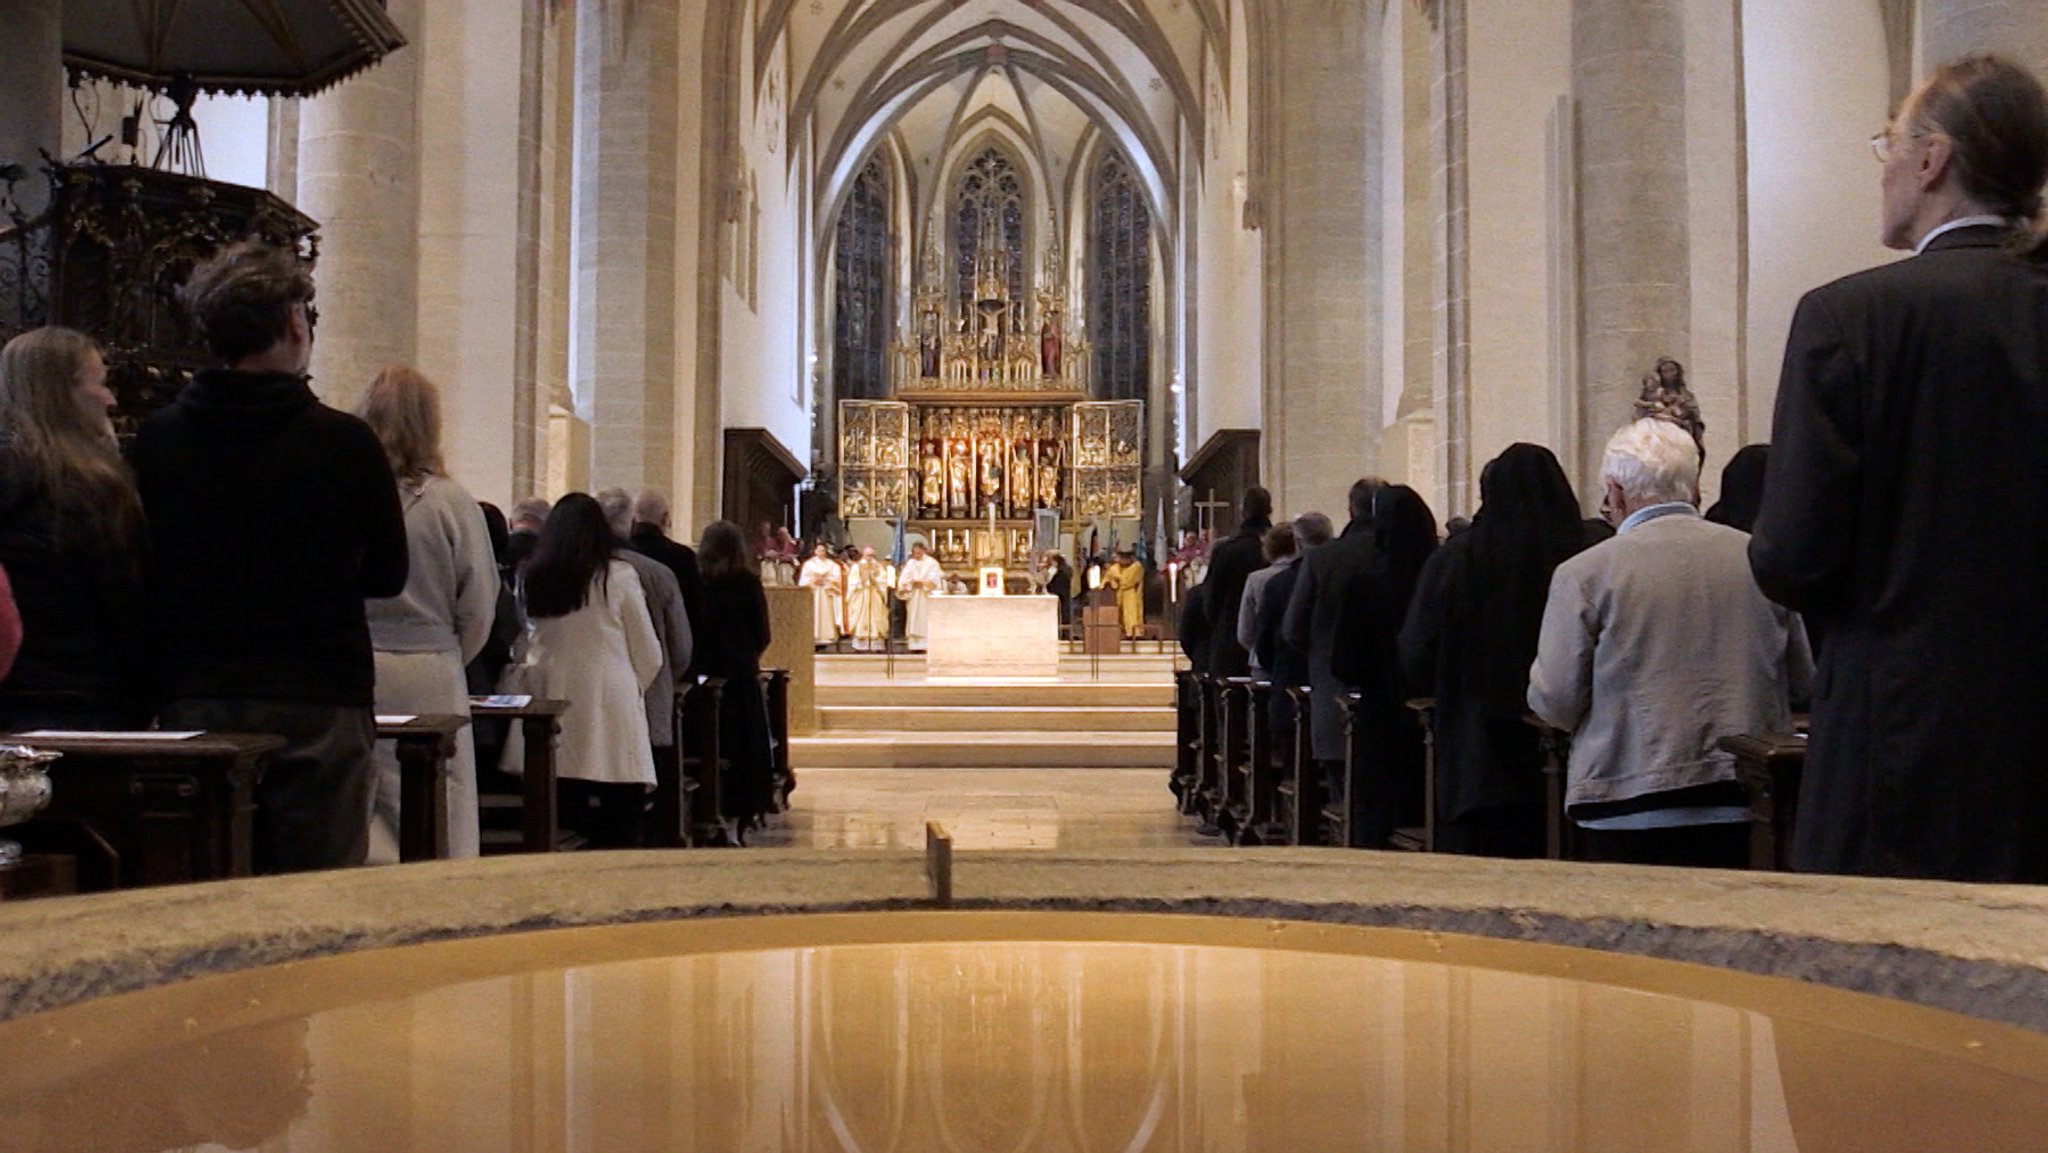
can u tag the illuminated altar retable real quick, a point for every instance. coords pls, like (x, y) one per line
(990, 425)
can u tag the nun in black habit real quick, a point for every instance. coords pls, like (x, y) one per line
(1385, 791)
(1470, 637)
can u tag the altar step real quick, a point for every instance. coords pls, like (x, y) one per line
(1148, 717)
(1068, 749)
(910, 696)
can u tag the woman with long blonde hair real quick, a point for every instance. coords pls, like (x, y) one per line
(71, 540)
(425, 636)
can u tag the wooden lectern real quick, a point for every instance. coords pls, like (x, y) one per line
(1102, 633)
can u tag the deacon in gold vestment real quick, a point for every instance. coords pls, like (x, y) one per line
(1127, 577)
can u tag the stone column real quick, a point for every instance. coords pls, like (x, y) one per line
(622, 367)
(31, 92)
(1628, 77)
(359, 178)
(2014, 28)
(1323, 370)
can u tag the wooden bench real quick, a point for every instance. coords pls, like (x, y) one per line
(1187, 747)
(540, 722)
(425, 746)
(167, 811)
(1561, 841)
(1423, 840)
(703, 765)
(1208, 765)
(1770, 766)
(1233, 800)
(1301, 788)
(1265, 768)
(775, 691)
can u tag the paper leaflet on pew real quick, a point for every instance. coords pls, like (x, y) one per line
(503, 701)
(81, 735)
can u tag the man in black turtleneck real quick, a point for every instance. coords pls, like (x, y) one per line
(271, 519)
(1230, 563)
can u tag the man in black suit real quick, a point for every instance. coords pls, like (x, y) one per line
(1909, 471)
(529, 516)
(1230, 563)
(1346, 571)
(651, 526)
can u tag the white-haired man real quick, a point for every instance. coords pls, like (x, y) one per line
(1655, 645)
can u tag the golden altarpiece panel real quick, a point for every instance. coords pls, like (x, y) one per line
(991, 423)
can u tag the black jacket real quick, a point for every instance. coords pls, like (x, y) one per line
(681, 560)
(81, 614)
(1905, 514)
(1327, 580)
(1230, 564)
(271, 518)
(1196, 628)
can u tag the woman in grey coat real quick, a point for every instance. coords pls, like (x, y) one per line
(424, 636)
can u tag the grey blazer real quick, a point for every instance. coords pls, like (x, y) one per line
(1657, 644)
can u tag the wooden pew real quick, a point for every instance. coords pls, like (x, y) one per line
(1301, 790)
(1770, 766)
(1187, 708)
(425, 746)
(1264, 826)
(775, 690)
(1337, 810)
(1423, 840)
(703, 764)
(1561, 835)
(540, 722)
(1208, 766)
(1234, 810)
(171, 811)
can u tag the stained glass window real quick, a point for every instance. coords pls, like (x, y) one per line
(860, 329)
(989, 185)
(1120, 282)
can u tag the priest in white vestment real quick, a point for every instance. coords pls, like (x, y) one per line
(920, 580)
(823, 576)
(867, 603)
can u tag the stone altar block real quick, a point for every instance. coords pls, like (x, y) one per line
(979, 638)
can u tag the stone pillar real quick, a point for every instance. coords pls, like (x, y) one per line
(1323, 370)
(1628, 77)
(359, 178)
(622, 367)
(32, 92)
(2014, 28)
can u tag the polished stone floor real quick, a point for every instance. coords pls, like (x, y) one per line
(981, 808)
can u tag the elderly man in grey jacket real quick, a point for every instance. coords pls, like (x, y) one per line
(672, 628)
(1655, 645)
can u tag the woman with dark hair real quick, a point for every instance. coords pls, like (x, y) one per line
(592, 644)
(71, 540)
(1470, 638)
(736, 612)
(1742, 488)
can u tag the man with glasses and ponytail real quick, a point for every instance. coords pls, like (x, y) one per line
(1907, 505)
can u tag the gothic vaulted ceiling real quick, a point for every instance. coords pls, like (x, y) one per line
(1047, 77)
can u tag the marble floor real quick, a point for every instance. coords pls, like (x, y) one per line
(982, 808)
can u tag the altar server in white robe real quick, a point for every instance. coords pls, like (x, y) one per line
(920, 580)
(867, 602)
(823, 576)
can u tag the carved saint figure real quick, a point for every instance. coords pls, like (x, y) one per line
(933, 493)
(960, 478)
(1048, 348)
(1023, 487)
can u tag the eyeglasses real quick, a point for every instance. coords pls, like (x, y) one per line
(1883, 143)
